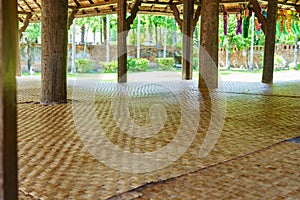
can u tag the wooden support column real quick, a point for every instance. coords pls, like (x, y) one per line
(122, 42)
(270, 35)
(187, 40)
(208, 58)
(123, 28)
(54, 51)
(8, 124)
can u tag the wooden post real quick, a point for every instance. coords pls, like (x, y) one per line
(122, 42)
(8, 124)
(54, 51)
(270, 35)
(187, 41)
(123, 28)
(208, 58)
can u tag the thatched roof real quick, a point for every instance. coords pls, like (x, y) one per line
(32, 8)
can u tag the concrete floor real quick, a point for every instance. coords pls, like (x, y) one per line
(149, 140)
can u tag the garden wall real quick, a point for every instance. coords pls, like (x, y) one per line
(284, 55)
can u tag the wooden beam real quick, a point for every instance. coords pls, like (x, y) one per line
(133, 12)
(25, 24)
(122, 41)
(257, 10)
(176, 14)
(197, 16)
(71, 17)
(297, 7)
(8, 122)
(187, 40)
(208, 53)
(270, 35)
(54, 51)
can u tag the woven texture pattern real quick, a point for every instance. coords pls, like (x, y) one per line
(55, 164)
(271, 173)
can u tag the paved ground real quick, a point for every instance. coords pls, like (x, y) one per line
(64, 155)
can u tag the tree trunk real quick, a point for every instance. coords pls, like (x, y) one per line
(208, 58)
(122, 42)
(165, 42)
(252, 43)
(82, 34)
(138, 48)
(54, 51)
(228, 58)
(296, 53)
(8, 122)
(29, 60)
(104, 20)
(187, 41)
(18, 54)
(101, 29)
(107, 37)
(73, 68)
(247, 58)
(270, 34)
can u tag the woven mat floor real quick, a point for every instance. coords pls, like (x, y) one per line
(55, 164)
(271, 173)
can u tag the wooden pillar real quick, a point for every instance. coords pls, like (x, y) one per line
(270, 35)
(8, 124)
(208, 58)
(54, 51)
(122, 42)
(187, 41)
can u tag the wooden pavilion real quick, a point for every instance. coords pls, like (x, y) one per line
(57, 16)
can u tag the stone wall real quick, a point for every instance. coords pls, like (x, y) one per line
(284, 53)
(98, 53)
(94, 52)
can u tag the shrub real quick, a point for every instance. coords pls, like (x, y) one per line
(137, 64)
(165, 63)
(85, 65)
(292, 66)
(110, 67)
(195, 63)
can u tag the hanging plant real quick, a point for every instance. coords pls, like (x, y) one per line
(225, 20)
(246, 23)
(289, 20)
(239, 22)
(282, 21)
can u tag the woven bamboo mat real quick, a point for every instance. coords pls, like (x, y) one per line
(54, 163)
(271, 173)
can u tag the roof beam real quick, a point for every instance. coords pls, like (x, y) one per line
(25, 24)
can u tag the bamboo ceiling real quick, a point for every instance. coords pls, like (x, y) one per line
(32, 8)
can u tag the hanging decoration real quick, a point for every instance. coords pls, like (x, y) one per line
(289, 20)
(225, 20)
(239, 22)
(281, 12)
(258, 26)
(263, 12)
(246, 22)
